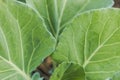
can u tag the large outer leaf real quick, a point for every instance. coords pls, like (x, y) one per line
(23, 42)
(93, 41)
(68, 71)
(57, 13)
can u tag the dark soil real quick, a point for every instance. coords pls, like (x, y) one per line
(117, 3)
(45, 68)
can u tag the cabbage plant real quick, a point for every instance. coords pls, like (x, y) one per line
(81, 36)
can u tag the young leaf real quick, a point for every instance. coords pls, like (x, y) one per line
(36, 76)
(22, 0)
(68, 71)
(93, 41)
(57, 13)
(24, 41)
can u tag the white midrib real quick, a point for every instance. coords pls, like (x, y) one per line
(22, 73)
(49, 20)
(85, 42)
(21, 46)
(7, 49)
(60, 18)
(99, 47)
(61, 14)
(74, 47)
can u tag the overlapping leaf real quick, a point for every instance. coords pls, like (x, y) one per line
(93, 41)
(23, 42)
(69, 71)
(57, 13)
